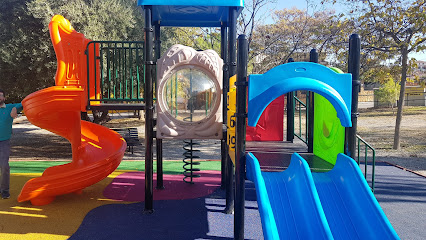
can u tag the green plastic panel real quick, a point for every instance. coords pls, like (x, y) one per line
(329, 134)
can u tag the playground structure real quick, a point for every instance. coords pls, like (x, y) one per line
(98, 149)
(342, 95)
(325, 201)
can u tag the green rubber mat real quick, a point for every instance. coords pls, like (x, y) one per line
(169, 167)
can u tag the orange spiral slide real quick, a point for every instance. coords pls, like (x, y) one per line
(96, 150)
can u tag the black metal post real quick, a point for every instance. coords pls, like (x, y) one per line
(353, 68)
(240, 147)
(159, 142)
(313, 57)
(149, 76)
(290, 113)
(232, 66)
(225, 84)
(157, 41)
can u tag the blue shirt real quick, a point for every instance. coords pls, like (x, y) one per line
(6, 120)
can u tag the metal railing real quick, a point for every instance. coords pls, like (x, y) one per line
(373, 160)
(117, 69)
(300, 107)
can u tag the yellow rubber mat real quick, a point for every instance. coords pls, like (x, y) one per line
(57, 220)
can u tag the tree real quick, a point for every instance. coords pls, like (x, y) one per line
(396, 28)
(294, 33)
(97, 19)
(250, 16)
(197, 37)
(388, 93)
(27, 58)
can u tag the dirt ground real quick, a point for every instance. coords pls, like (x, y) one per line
(376, 126)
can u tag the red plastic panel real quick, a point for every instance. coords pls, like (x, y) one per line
(270, 125)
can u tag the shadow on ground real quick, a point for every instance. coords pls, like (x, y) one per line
(200, 218)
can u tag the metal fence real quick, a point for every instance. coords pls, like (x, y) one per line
(117, 69)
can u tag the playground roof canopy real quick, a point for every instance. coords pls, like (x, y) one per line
(191, 13)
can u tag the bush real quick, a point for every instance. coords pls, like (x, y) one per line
(388, 93)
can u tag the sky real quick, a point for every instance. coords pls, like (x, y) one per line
(301, 4)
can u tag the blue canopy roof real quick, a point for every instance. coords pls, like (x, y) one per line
(191, 13)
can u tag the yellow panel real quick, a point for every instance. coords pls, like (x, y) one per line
(231, 120)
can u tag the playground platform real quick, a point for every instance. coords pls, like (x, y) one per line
(276, 156)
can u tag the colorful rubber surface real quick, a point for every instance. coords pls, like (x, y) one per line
(62, 218)
(90, 215)
(127, 187)
(298, 204)
(58, 220)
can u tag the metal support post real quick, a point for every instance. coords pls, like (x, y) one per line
(158, 141)
(313, 57)
(240, 148)
(223, 143)
(149, 76)
(353, 68)
(290, 113)
(232, 66)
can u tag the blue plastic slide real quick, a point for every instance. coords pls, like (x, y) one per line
(298, 204)
(288, 202)
(351, 209)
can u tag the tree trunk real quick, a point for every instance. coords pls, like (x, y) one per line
(397, 137)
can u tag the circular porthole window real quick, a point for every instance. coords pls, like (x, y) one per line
(189, 94)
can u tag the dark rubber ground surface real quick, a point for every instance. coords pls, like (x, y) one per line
(401, 194)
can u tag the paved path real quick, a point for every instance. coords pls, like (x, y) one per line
(402, 196)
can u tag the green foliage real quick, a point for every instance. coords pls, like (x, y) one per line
(390, 26)
(390, 30)
(27, 58)
(96, 19)
(195, 37)
(388, 93)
